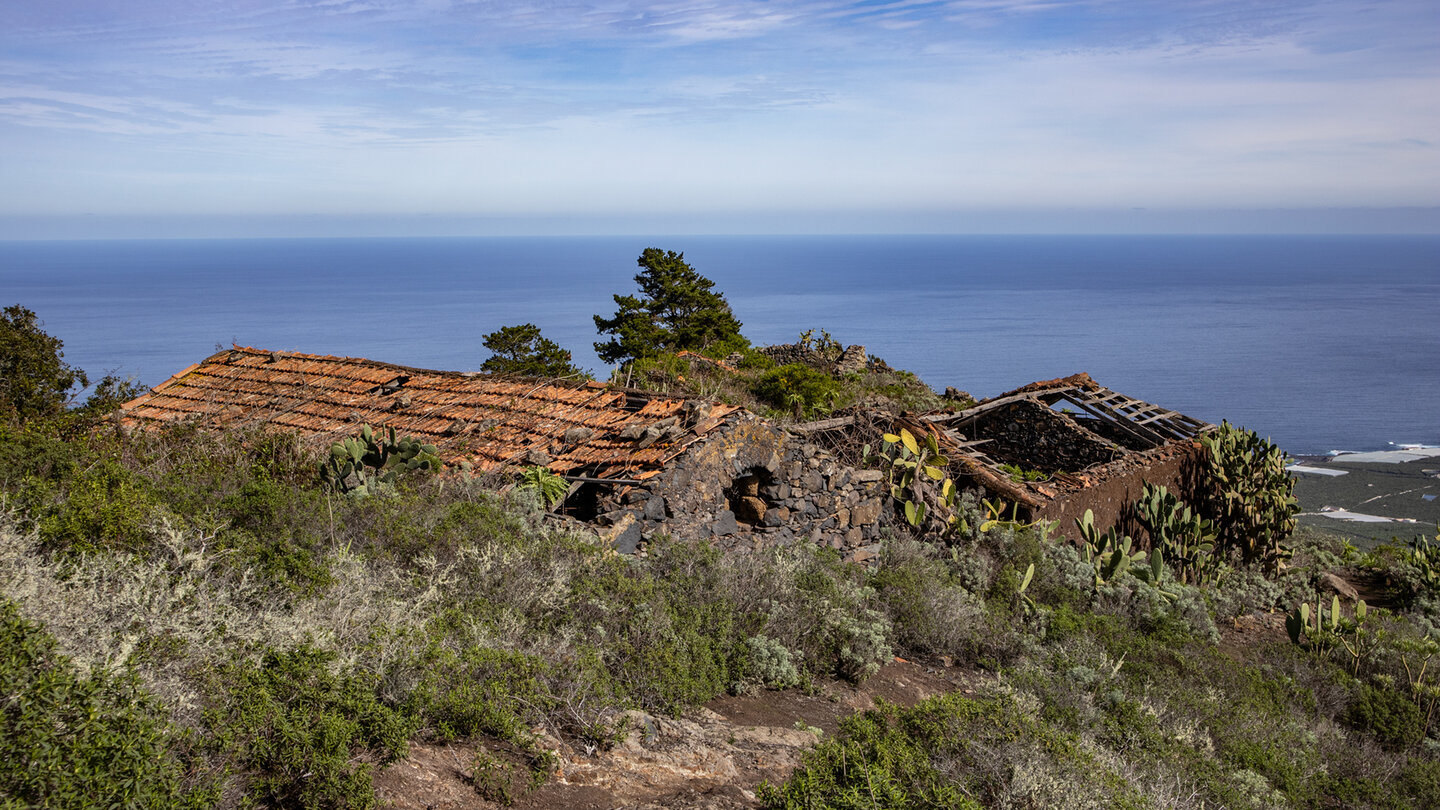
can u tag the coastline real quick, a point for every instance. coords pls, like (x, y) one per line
(1370, 497)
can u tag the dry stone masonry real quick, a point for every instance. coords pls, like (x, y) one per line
(749, 486)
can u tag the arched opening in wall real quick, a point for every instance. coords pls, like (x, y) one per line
(749, 496)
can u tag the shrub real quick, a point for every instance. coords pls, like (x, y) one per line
(301, 735)
(479, 691)
(277, 529)
(796, 388)
(1389, 714)
(929, 610)
(670, 636)
(68, 740)
(771, 663)
(950, 752)
(104, 507)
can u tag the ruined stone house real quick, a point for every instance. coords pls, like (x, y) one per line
(640, 464)
(1086, 446)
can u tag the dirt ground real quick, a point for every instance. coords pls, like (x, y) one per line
(715, 757)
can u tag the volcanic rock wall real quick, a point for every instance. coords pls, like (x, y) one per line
(1034, 437)
(752, 485)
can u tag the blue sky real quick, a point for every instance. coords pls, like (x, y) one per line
(320, 117)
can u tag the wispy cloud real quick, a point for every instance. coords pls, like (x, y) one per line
(475, 104)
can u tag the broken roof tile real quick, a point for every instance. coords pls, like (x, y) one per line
(485, 420)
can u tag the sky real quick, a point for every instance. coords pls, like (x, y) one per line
(418, 117)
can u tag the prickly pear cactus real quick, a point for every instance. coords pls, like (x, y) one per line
(1186, 540)
(1249, 495)
(368, 464)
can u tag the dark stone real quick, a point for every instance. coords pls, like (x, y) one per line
(611, 518)
(655, 508)
(629, 540)
(725, 523)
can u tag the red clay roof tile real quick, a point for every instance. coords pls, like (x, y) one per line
(485, 420)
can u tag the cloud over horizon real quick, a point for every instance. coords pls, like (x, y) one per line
(568, 108)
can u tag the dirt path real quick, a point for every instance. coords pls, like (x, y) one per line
(714, 757)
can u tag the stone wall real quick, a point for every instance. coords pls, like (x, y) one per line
(1109, 491)
(1034, 437)
(752, 485)
(787, 353)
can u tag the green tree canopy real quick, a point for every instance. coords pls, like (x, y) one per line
(522, 351)
(677, 309)
(34, 379)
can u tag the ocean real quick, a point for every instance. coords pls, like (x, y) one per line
(1320, 342)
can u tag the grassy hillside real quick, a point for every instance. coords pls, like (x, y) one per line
(196, 619)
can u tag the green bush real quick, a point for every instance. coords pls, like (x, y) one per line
(106, 506)
(277, 529)
(796, 388)
(38, 450)
(671, 636)
(950, 752)
(479, 691)
(71, 740)
(300, 735)
(1389, 714)
(929, 610)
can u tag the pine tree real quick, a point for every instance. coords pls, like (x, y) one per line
(676, 310)
(523, 352)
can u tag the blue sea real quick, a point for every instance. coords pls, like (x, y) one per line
(1320, 342)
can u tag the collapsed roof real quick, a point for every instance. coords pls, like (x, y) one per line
(576, 429)
(1068, 434)
(1072, 431)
